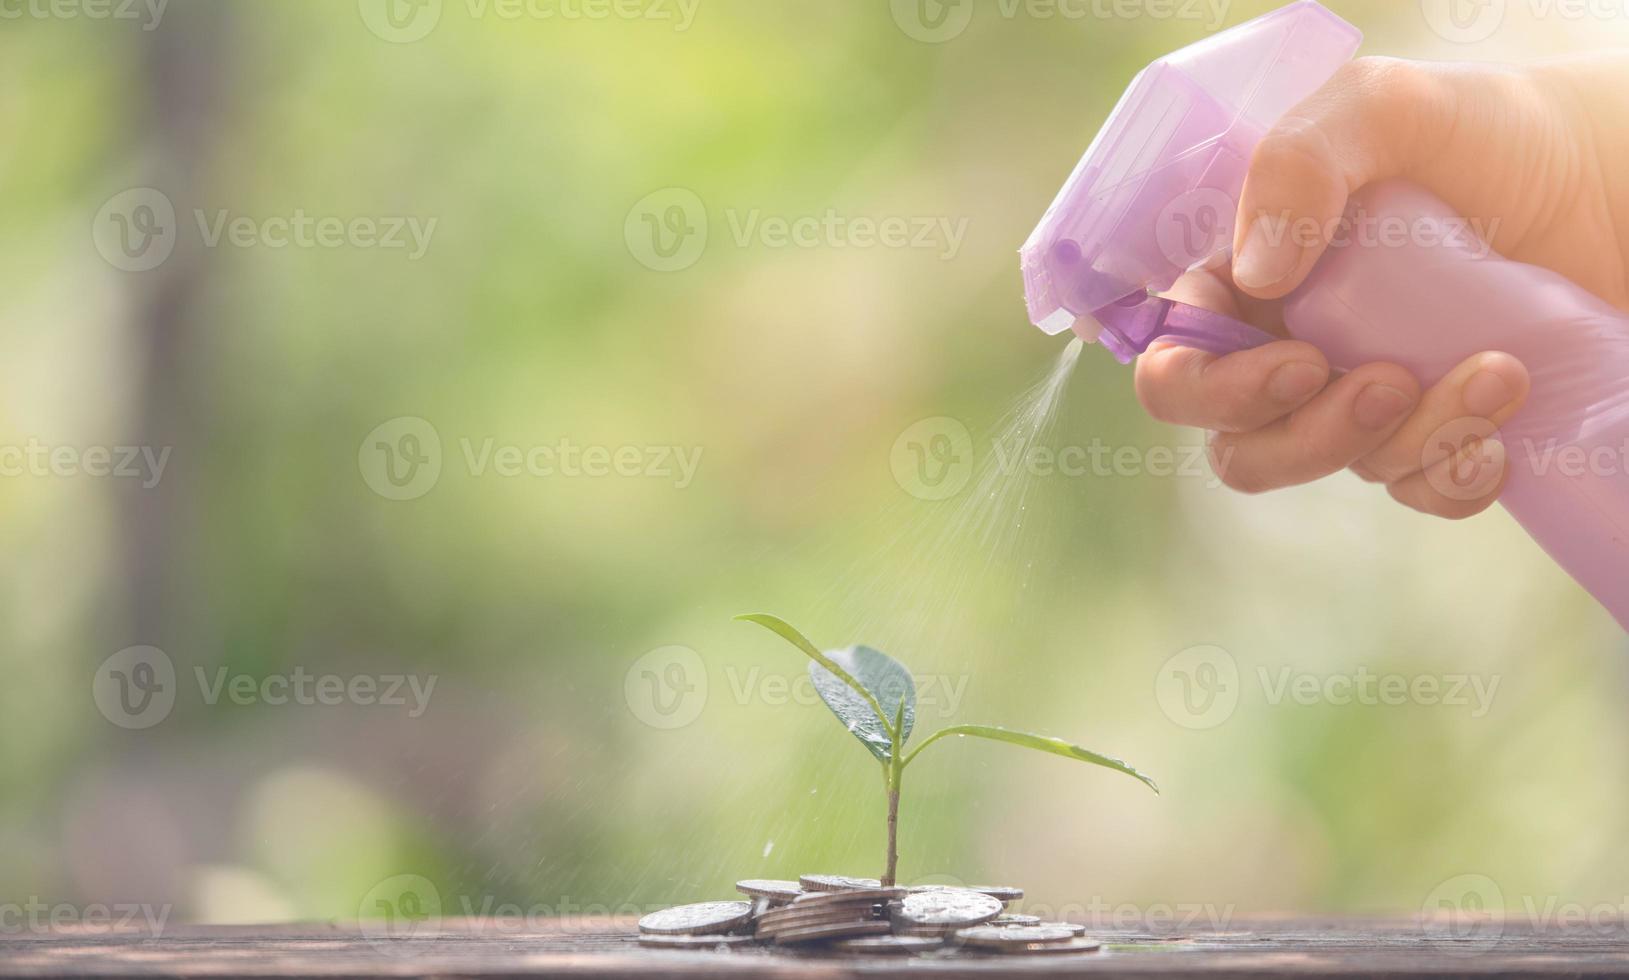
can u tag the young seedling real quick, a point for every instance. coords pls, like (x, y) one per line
(874, 697)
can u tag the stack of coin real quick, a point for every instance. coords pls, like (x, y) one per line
(829, 915)
(858, 917)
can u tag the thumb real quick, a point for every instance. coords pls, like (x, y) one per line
(1366, 124)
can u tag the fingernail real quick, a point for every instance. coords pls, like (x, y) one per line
(1486, 393)
(1378, 406)
(1295, 382)
(1268, 256)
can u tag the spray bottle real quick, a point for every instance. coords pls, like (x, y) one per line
(1155, 196)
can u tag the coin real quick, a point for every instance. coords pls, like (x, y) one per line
(704, 918)
(937, 933)
(762, 905)
(887, 945)
(1002, 893)
(836, 883)
(775, 890)
(839, 930)
(824, 903)
(1069, 946)
(861, 896)
(1014, 937)
(949, 908)
(798, 920)
(1079, 930)
(773, 929)
(694, 942)
(1007, 919)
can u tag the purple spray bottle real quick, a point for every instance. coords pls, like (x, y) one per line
(1156, 195)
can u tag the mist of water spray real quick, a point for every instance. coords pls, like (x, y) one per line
(940, 558)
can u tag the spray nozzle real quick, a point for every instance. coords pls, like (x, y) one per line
(1157, 192)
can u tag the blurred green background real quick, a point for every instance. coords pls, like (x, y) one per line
(568, 755)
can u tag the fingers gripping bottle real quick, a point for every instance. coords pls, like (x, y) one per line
(1155, 195)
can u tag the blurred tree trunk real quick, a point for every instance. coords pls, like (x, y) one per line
(181, 102)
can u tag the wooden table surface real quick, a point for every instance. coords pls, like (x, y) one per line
(606, 948)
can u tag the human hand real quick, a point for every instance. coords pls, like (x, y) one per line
(1520, 151)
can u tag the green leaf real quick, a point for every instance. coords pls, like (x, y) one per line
(1028, 740)
(891, 690)
(788, 632)
(861, 700)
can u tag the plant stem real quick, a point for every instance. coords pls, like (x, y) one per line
(892, 772)
(893, 833)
